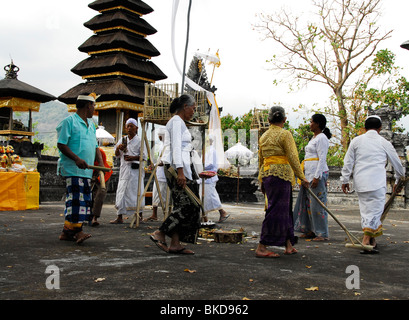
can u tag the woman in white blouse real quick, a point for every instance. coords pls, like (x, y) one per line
(183, 223)
(309, 217)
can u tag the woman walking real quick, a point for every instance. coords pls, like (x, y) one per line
(183, 223)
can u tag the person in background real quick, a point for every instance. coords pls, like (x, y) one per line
(278, 162)
(99, 193)
(183, 223)
(309, 217)
(78, 147)
(366, 159)
(160, 175)
(211, 200)
(128, 149)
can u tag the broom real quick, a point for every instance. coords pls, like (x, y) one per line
(188, 191)
(358, 244)
(388, 204)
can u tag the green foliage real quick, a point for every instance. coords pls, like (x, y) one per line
(237, 123)
(302, 135)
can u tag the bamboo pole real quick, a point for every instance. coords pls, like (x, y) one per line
(359, 244)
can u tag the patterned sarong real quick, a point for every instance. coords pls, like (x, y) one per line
(185, 216)
(78, 204)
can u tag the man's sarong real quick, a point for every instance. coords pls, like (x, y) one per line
(371, 205)
(78, 204)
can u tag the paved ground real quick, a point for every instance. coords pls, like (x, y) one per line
(120, 263)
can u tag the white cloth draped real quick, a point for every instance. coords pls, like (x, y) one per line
(214, 121)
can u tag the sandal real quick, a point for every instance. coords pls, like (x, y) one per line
(320, 239)
(308, 235)
(292, 251)
(116, 221)
(181, 251)
(160, 244)
(223, 219)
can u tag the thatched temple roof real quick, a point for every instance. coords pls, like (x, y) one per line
(119, 40)
(135, 5)
(10, 86)
(109, 89)
(119, 18)
(120, 62)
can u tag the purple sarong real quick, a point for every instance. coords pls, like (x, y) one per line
(278, 224)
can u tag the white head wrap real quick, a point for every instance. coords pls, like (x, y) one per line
(92, 97)
(161, 131)
(374, 116)
(131, 120)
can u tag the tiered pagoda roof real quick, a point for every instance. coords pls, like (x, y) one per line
(119, 56)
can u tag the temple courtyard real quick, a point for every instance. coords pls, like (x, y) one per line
(122, 263)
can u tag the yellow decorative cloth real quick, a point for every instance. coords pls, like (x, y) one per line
(276, 145)
(303, 165)
(274, 160)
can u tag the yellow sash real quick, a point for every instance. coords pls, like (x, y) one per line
(303, 165)
(274, 160)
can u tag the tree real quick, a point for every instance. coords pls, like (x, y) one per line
(329, 50)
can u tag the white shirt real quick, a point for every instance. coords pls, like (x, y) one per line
(316, 148)
(366, 158)
(211, 163)
(178, 146)
(133, 149)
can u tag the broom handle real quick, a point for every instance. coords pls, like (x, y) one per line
(99, 168)
(400, 184)
(189, 192)
(333, 216)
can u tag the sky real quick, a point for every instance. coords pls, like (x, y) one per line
(42, 37)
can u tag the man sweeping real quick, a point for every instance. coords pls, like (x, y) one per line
(366, 159)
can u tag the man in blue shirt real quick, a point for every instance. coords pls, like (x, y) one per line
(78, 147)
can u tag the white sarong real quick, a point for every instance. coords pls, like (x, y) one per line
(163, 186)
(371, 205)
(211, 201)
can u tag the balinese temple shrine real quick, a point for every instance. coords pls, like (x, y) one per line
(119, 62)
(19, 179)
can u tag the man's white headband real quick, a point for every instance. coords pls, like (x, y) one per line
(374, 116)
(92, 97)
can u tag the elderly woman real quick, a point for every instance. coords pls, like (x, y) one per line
(278, 161)
(184, 221)
(309, 217)
(128, 149)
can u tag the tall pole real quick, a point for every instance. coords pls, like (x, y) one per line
(187, 42)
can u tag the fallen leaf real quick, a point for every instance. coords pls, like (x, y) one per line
(308, 267)
(251, 280)
(190, 271)
(99, 279)
(312, 289)
(357, 293)
(245, 298)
